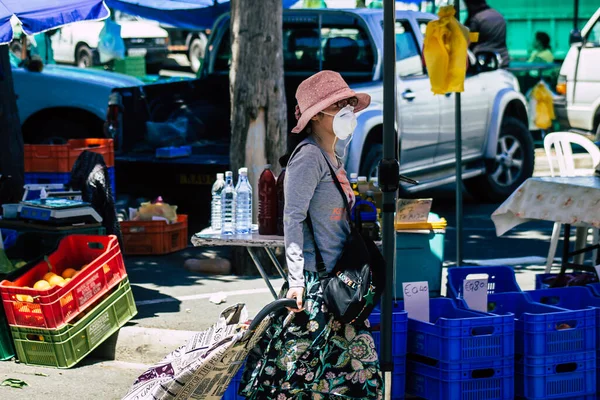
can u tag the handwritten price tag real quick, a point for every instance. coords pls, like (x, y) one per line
(475, 293)
(413, 210)
(416, 300)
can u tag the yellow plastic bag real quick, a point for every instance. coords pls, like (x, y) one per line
(544, 107)
(445, 51)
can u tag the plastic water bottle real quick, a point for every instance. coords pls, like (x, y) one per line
(227, 206)
(215, 206)
(243, 204)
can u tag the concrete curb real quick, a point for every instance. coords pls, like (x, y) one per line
(141, 345)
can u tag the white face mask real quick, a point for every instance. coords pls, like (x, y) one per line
(344, 122)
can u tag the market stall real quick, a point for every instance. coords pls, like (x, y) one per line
(208, 238)
(571, 201)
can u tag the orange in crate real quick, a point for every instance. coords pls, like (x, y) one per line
(154, 237)
(61, 157)
(101, 265)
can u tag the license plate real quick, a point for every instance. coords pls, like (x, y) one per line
(137, 52)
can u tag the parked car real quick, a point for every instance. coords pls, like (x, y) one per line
(63, 102)
(77, 43)
(192, 43)
(498, 152)
(578, 106)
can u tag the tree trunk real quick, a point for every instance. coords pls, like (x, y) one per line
(258, 104)
(11, 139)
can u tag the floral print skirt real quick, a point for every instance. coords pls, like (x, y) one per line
(313, 356)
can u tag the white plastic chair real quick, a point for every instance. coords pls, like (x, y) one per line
(562, 143)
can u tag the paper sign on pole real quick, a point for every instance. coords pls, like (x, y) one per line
(475, 293)
(416, 300)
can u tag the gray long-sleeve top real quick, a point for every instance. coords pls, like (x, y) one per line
(309, 187)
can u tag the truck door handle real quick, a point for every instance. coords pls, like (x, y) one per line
(408, 95)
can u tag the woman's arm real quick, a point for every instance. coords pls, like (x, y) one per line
(302, 176)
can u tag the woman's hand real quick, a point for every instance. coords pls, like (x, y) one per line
(298, 294)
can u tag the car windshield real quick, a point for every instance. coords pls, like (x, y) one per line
(122, 17)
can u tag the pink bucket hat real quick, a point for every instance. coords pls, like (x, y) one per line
(320, 91)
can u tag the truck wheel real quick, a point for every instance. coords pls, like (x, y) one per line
(369, 165)
(196, 54)
(513, 164)
(84, 57)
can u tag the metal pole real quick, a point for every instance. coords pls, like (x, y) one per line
(389, 197)
(459, 191)
(576, 15)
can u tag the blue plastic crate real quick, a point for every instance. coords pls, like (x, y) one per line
(113, 180)
(173, 152)
(63, 178)
(9, 238)
(540, 278)
(399, 378)
(500, 279)
(399, 330)
(47, 177)
(232, 390)
(568, 376)
(571, 298)
(594, 288)
(461, 381)
(539, 328)
(459, 334)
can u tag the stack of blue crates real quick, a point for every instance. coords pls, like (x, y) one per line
(460, 354)
(555, 347)
(399, 337)
(574, 298)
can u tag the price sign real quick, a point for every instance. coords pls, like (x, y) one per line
(413, 210)
(416, 300)
(475, 293)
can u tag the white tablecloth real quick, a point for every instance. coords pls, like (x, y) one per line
(569, 200)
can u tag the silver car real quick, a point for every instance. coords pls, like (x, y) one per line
(498, 151)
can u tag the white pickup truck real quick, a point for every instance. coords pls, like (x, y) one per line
(77, 43)
(64, 102)
(578, 107)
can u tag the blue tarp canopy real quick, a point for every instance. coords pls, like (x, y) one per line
(191, 14)
(40, 15)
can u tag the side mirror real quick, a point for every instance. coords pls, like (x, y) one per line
(487, 61)
(575, 37)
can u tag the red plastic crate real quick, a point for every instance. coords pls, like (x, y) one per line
(61, 157)
(57, 306)
(154, 237)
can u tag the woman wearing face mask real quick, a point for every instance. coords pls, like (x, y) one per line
(315, 355)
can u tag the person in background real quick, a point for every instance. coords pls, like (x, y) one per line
(542, 52)
(491, 26)
(41, 46)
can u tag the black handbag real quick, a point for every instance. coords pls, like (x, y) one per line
(355, 285)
